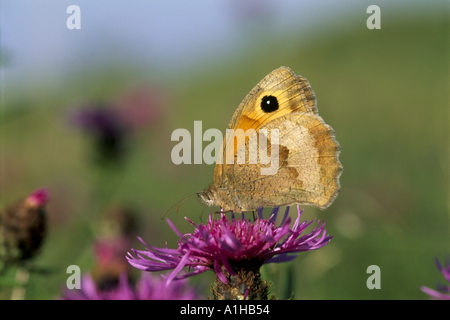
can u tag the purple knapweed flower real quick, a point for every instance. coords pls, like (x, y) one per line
(38, 198)
(98, 118)
(148, 288)
(443, 291)
(109, 261)
(225, 246)
(106, 128)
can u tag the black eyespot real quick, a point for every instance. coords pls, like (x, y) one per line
(269, 104)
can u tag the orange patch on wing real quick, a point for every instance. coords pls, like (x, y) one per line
(328, 150)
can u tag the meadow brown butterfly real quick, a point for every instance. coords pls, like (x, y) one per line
(308, 168)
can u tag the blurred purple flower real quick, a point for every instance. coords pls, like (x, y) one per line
(98, 119)
(38, 198)
(222, 243)
(110, 264)
(110, 125)
(105, 125)
(148, 288)
(443, 291)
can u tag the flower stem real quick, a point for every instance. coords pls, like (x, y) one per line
(247, 284)
(22, 276)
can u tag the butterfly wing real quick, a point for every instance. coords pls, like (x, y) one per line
(293, 93)
(308, 166)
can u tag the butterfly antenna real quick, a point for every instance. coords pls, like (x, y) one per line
(180, 202)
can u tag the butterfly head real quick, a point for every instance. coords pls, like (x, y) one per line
(220, 197)
(208, 196)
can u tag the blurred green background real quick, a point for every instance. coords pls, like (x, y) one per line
(385, 92)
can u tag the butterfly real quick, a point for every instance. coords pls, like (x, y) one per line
(308, 168)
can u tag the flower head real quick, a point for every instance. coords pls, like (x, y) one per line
(106, 128)
(148, 288)
(109, 261)
(443, 291)
(23, 227)
(226, 245)
(38, 198)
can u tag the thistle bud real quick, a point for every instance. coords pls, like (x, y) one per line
(22, 227)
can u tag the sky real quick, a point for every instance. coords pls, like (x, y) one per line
(170, 34)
